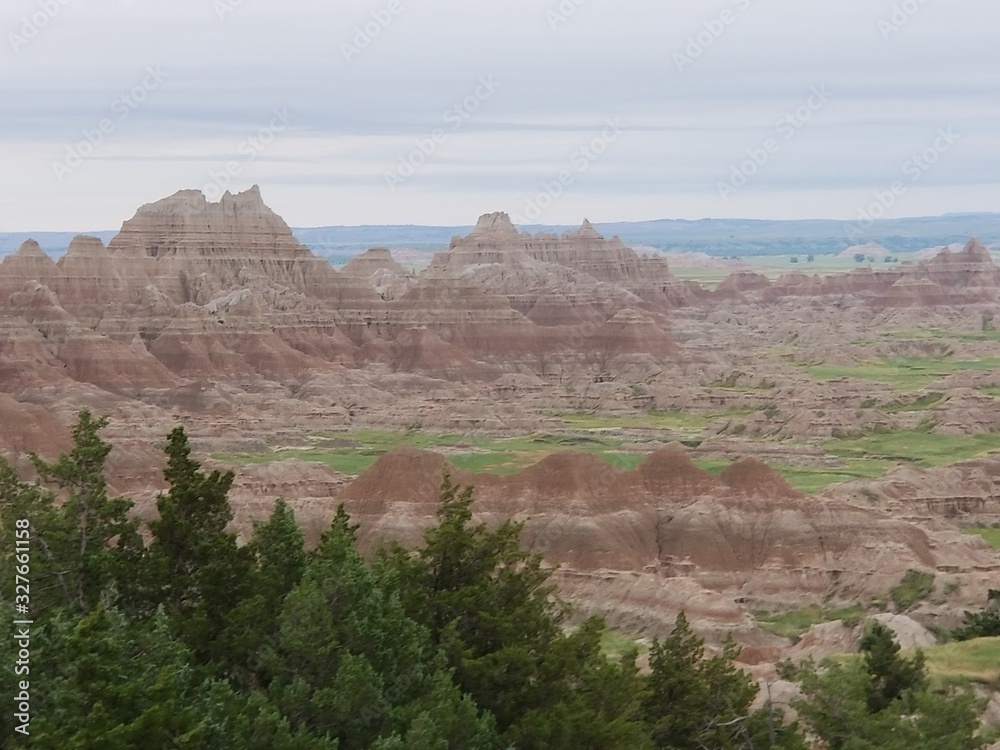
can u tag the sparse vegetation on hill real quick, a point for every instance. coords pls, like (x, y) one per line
(982, 624)
(974, 660)
(916, 586)
(622, 441)
(920, 447)
(990, 533)
(902, 373)
(793, 623)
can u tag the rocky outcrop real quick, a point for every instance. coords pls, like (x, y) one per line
(950, 277)
(967, 492)
(584, 266)
(28, 428)
(373, 261)
(972, 266)
(192, 249)
(746, 533)
(89, 279)
(29, 264)
(377, 266)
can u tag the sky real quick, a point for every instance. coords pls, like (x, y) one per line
(436, 111)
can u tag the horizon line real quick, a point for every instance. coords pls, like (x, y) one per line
(875, 222)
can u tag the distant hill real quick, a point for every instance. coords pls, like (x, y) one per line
(715, 237)
(54, 243)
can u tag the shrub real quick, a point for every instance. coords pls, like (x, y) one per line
(983, 624)
(915, 586)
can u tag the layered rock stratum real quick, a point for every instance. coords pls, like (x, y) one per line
(214, 315)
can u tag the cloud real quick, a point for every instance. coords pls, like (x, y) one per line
(352, 120)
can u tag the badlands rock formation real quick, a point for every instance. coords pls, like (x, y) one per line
(377, 266)
(965, 277)
(671, 534)
(193, 250)
(213, 315)
(192, 289)
(548, 277)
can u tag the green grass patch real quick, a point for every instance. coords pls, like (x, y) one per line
(500, 462)
(510, 455)
(990, 534)
(812, 479)
(614, 645)
(992, 390)
(977, 660)
(942, 334)
(921, 403)
(915, 586)
(902, 373)
(345, 460)
(954, 664)
(794, 623)
(470, 452)
(711, 465)
(862, 457)
(709, 278)
(673, 420)
(920, 447)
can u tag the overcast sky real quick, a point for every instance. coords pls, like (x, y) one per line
(624, 110)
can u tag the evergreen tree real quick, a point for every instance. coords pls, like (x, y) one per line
(20, 502)
(348, 662)
(487, 602)
(696, 702)
(102, 682)
(193, 565)
(982, 624)
(84, 546)
(589, 701)
(891, 675)
(883, 703)
(278, 563)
